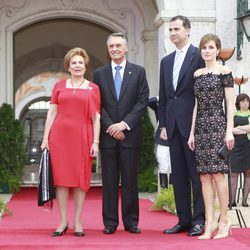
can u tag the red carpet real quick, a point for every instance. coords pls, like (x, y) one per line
(30, 228)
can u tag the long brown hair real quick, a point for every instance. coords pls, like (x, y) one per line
(210, 37)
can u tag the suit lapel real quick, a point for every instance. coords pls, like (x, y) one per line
(110, 80)
(186, 63)
(170, 69)
(126, 78)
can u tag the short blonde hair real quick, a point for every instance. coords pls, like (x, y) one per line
(73, 52)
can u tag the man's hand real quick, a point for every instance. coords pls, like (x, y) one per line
(116, 128)
(163, 134)
(120, 136)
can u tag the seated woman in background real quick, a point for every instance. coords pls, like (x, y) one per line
(240, 157)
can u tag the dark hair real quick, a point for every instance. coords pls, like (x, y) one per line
(210, 37)
(185, 21)
(118, 34)
(240, 98)
(74, 52)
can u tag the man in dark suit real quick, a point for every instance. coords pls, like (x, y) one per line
(124, 95)
(176, 103)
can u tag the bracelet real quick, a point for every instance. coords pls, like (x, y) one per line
(96, 141)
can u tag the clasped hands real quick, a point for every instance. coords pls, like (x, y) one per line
(116, 130)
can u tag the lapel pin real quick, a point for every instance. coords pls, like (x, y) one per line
(129, 72)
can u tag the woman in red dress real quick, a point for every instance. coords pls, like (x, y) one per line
(72, 136)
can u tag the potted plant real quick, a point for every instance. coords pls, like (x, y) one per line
(165, 200)
(4, 209)
(12, 153)
(147, 178)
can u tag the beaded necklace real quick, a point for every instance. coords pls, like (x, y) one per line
(76, 87)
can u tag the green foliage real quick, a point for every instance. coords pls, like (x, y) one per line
(94, 162)
(4, 209)
(147, 179)
(11, 149)
(165, 200)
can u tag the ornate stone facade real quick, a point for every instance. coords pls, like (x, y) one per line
(144, 21)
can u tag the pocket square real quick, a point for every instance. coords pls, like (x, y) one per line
(224, 152)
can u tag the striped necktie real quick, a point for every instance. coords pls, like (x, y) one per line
(177, 67)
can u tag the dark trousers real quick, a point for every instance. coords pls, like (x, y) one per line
(186, 179)
(120, 162)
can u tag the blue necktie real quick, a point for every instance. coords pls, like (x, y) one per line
(118, 81)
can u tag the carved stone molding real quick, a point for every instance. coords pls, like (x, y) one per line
(148, 35)
(10, 11)
(121, 13)
(114, 15)
(125, 13)
(148, 11)
(68, 4)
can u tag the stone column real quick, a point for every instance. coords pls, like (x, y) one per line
(149, 38)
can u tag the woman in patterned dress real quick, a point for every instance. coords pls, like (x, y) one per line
(210, 130)
(72, 135)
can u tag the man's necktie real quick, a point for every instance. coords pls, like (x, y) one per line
(118, 81)
(177, 68)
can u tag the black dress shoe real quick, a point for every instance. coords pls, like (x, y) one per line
(177, 229)
(109, 230)
(133, 230)
(56, 233)
(233, 204)
(244, 204)
(79, 234)
(196, 230)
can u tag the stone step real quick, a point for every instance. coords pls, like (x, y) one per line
(30, 177)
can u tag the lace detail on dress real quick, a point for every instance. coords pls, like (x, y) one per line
(210, 124)
(228, 80)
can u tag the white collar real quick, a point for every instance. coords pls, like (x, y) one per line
(184, 49)
(123, 64)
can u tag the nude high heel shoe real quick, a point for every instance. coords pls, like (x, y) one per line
(224, 230)
(209, 231)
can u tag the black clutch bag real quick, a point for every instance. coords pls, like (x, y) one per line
(224, 152)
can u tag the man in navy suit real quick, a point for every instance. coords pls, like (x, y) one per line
(124, 96)
(176, 103)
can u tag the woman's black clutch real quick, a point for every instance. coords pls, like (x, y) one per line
(224, 152)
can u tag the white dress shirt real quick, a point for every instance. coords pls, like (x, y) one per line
(178, 61)
(123, 65)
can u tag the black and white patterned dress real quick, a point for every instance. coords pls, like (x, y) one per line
(210, 126)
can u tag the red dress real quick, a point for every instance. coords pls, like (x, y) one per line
(71, 134)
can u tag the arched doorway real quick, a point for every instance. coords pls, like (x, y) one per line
(39, 50)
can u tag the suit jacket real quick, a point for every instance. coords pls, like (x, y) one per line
(176, 106)
(131, 105)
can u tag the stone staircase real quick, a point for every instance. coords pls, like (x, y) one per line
(30, 177)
